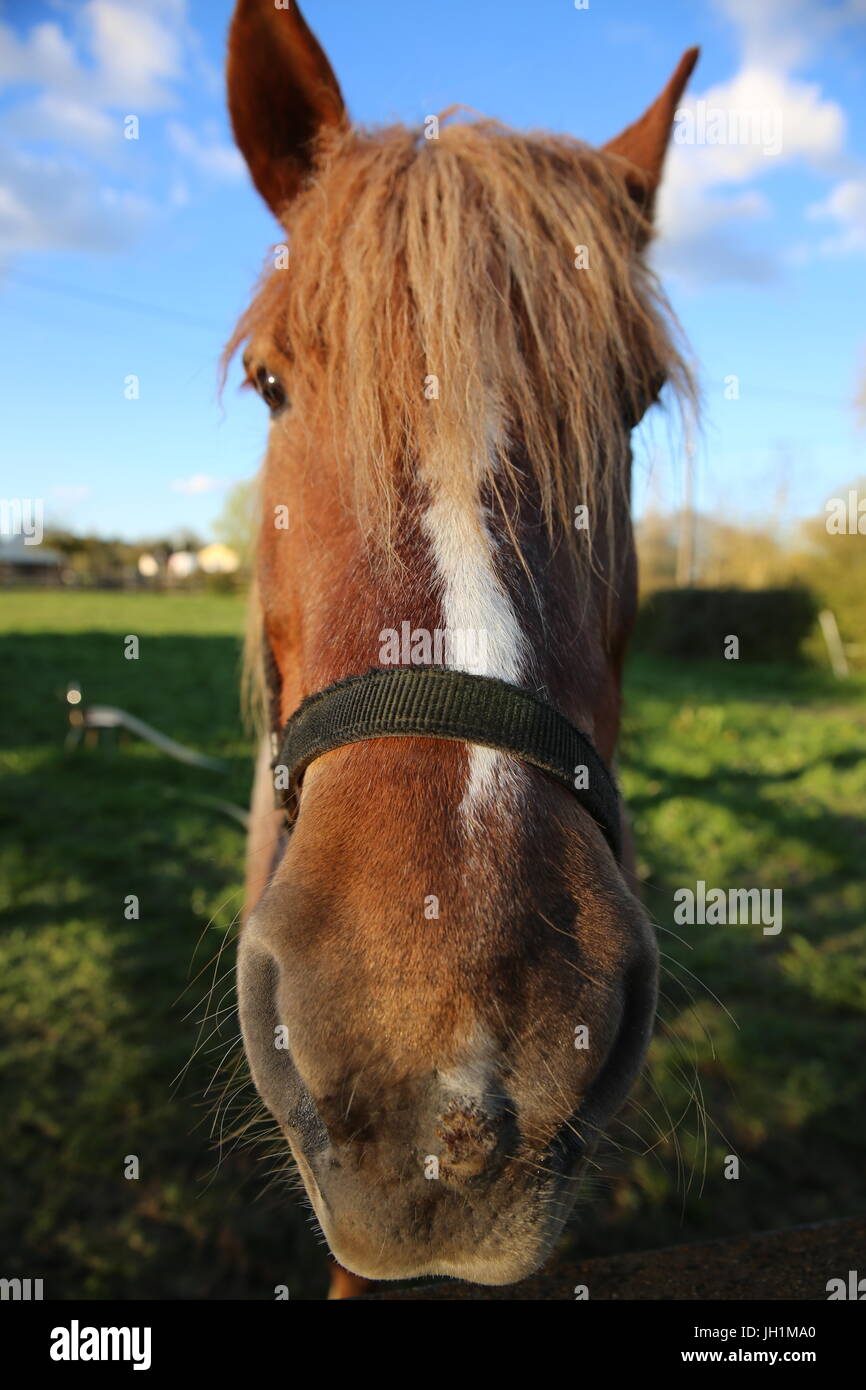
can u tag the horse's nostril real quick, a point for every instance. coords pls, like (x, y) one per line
(468, 1138)
(274, 1072)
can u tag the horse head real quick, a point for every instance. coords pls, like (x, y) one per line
(447, 982)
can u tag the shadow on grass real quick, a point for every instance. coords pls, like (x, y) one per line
(757, 1051)
(96, 1034)
(95, 1001)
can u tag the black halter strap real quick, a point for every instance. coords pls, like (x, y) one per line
(432, 702)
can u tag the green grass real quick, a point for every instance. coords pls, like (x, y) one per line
(746, 776)
(740, 776)
(94, 1006)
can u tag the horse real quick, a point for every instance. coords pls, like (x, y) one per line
(446, 979)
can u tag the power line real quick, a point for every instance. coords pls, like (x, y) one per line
(115, 301)
(797, 396)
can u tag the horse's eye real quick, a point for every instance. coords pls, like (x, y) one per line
(271, 390)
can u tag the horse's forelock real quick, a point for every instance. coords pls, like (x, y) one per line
(463, 300)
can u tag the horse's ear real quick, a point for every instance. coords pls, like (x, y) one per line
(644, 143)
(281, 92)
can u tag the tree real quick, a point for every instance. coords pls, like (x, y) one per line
(236, 524)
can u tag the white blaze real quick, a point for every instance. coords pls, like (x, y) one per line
(474, 600)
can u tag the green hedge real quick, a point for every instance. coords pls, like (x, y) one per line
(771, 624)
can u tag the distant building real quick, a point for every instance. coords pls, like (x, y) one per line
(148, 566)
(29, 564)
(182, 564)
(218, 559)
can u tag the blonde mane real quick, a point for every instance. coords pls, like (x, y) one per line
(433, 300)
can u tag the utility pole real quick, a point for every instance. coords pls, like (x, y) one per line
(686, 538)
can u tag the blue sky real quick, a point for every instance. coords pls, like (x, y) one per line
(133, 257)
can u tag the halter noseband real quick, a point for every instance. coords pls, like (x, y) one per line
(435, 702)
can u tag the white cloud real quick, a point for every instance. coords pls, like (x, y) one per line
(845, 206)
(46, 204)
(703, 248)
(786, 33)
(66, 157)
(762, 119)
(14, 218)
(54, 118)
(44, 56)
(178, 195)
(133, 55)
(197, 483)
(137, 53)
(217, 160)
(765, 120)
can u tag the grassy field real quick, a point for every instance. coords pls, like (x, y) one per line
(740, 776)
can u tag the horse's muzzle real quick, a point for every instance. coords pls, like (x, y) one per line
(413, 1173)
